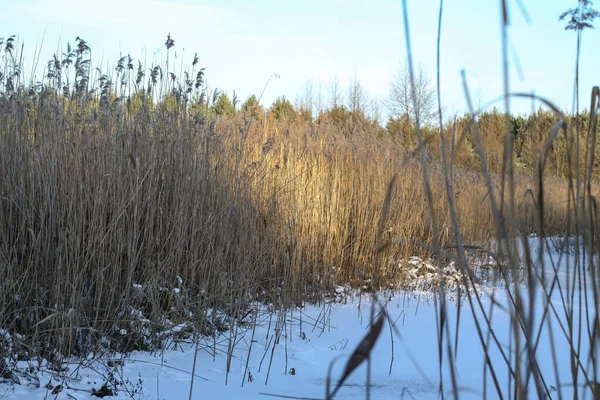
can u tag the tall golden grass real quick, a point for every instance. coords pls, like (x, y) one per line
(121, 216)
(238, 209)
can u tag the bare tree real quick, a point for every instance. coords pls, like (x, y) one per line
(335, 95)
(309, 97)
(357, 97)
(319, 100)
(305, 102)
(400, 103)
(376, 111)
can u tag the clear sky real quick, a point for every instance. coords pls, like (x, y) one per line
(243, 42)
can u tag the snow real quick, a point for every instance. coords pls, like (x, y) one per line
(405, 362)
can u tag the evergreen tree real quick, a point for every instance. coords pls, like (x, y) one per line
(224, 107)
(252, 107)
(283, 108)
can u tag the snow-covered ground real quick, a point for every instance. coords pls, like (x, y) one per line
(405, 361)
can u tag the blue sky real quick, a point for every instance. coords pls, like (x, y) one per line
(242, 43)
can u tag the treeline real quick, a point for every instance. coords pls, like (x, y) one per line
(528, 131)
